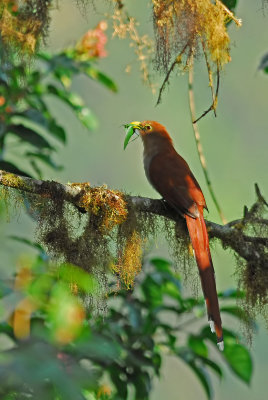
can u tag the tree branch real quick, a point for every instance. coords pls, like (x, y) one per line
(231, 235)
(230, 14)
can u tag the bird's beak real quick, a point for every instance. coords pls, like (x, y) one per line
(130, 130)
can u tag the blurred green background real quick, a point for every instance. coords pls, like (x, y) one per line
(235, 145)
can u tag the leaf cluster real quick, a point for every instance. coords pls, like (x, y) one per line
(26, 120)
(70, 353)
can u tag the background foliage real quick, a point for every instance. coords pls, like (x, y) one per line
(73, 354)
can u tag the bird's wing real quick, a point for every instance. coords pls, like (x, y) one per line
(171, 176)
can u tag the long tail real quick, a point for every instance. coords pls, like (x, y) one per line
(199, 238)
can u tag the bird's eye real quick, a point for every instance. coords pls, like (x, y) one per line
(148, 127)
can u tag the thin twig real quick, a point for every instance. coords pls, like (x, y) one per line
(215, 99)
(210, 77)
(259, 195)
(176, 61)
(199, 145)
(231, 15)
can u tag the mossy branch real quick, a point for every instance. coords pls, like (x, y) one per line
(232, 235)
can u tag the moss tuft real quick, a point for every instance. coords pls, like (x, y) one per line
(188, 24)
(108, 204)
(23, 24)
(12, 180)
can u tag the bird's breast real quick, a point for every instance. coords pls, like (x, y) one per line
(147, 159)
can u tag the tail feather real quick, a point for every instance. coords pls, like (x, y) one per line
(200, 241)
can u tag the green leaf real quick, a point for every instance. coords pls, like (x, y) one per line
(142, 385)
(227, 335)
(44, 56)
(212, 365)
(231, 4)
(264, 63)
(60, 63)
(157, 361)
(232, 294)
(237, 356)
(42, 254)
(161, 264)
(43, 121)
(98, 76)
(40, 288)
(64, 66)
(238, 313)
(134, 315)
(203, 378)
(129, 133)
(73, 274)
(83, 113)
(31, 365)
(199, 371)
(87, 118)
(8, 304)
(30, 243)
(36, 168)
(152, 293)
(197, 345)
(172, 290)
(55, 129)
(239, 360)
(117, 377)
(28, 135)
(45, 159)
(97, 347)
(9, 167)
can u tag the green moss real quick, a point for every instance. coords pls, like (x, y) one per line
(23, 24)
(12, 181)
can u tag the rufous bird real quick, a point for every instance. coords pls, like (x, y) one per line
(171, 176)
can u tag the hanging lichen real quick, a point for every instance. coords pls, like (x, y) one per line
(12, 200)
(108, 236)
(253, 274)
(23, 24)
(181, 250)
(128, 265)
(181, 26)
(186, 28)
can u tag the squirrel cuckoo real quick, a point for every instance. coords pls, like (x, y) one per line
(171, 176)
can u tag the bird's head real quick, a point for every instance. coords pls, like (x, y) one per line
(147, 130)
